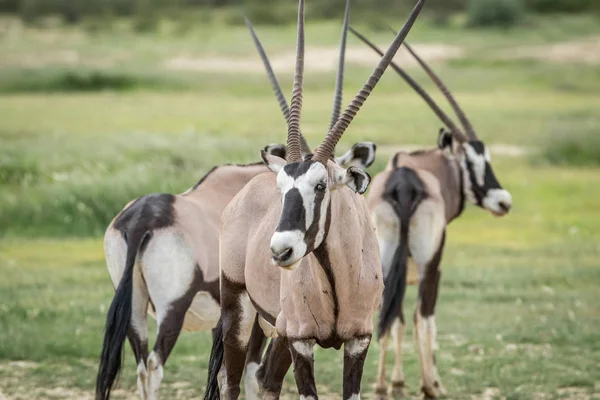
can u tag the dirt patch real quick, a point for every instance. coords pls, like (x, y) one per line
(318, 58)
(585, 51)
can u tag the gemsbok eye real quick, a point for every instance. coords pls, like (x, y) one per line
(320, 187)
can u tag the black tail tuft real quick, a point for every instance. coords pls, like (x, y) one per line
(214, 364)
(404, 192)
(117, 324)
(395, 284)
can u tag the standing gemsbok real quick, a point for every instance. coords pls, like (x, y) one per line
(164, 246)
(411, 203)
(298, 249)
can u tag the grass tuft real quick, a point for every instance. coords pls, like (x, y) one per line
(575, 147)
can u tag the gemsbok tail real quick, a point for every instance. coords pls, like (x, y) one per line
(405, 197)
(117, 321)
(214, 364)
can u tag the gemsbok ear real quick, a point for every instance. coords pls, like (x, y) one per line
(274, 163)
(447, 141)
(275, 149)
(361, 155)
(355, 178)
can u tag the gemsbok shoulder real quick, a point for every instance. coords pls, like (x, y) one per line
(411, 203)
(299, 251)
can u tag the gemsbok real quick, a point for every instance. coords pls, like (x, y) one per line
(165, 247)
(411, 203)
(298, 249)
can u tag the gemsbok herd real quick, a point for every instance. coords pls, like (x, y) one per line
(288, 251)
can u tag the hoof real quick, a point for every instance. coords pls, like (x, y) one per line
(398, 389)
(381, 393)
(432, 391)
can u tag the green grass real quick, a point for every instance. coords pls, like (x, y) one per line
(518, 309)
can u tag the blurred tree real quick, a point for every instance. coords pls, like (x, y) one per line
(553, 6)
(495, 13)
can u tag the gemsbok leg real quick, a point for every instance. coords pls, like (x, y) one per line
(426, 241)
(256, 346)
(238, 316)
(138, 330)
(304, 368)
(355, 352)
(272, 371)
(170, 304)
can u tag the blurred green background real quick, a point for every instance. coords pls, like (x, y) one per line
(104, 101)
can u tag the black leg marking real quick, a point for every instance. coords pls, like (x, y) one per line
(304, 367)
(234, 350)
(277, 361)
(256, 344)
(429, 285)
(139, 346)
(355, 352)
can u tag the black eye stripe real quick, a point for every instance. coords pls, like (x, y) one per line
(293, 216)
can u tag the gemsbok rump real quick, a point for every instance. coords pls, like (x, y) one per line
(411, 203)
(298, 249)
(165, 246)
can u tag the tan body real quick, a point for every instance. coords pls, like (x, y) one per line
(177, 268)
(176, 273)
(308, 310)
(437, 183)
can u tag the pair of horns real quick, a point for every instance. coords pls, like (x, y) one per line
(469, 132)
(327, 147)
(334, 135)
(283, 105)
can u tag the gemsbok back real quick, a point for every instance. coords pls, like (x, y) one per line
(161, 252)
(411, 203)
(298, 249)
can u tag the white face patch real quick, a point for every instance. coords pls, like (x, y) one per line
(494, 198)
(280, 241)
(305, 189)
(477, 161)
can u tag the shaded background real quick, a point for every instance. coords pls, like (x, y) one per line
(104, 101)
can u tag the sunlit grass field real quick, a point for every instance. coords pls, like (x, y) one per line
(518, 313)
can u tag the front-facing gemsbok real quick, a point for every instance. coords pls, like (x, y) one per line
(297, 248)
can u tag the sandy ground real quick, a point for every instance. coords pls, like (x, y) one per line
(324, 59)
(318, 58)
(584, 51)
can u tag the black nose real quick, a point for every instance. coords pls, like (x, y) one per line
(504, 206)
(283, 255)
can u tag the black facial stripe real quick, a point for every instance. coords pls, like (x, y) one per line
(489, 182)
(296, 170)
(477, 190)
(313, 229)
(478, 146)
(293, 216)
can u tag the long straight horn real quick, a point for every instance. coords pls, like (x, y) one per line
(293, 139)
(334, 135)
(444, 89)
(417, 88)
(283, 105)
(339, 81)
